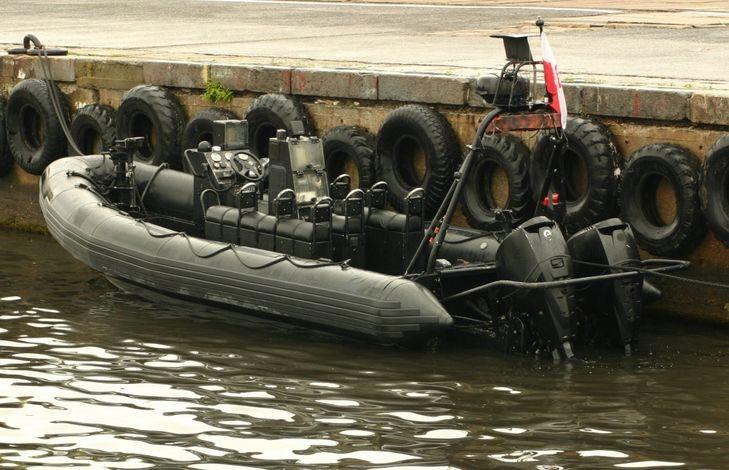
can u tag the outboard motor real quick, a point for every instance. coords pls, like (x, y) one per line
(536, 251)
(609, 305)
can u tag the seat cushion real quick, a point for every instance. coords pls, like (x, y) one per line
(301, 230)
(217, 213)
(488, 86)
(230, 218)
(251, 220)
(338, 221)
(393, 221)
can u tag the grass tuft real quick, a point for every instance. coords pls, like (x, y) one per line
(217, 93)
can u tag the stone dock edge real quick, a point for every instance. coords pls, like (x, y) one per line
(700, 107)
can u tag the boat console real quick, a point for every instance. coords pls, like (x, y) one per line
(228, 159)
(286, 204)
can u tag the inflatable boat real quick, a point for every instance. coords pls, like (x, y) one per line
(272, 235)
(153, 253)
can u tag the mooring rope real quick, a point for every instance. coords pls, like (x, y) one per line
(53, 97)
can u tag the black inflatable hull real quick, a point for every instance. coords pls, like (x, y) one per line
(363, 303)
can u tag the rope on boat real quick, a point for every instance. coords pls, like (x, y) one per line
(630, 271)
(151, 180)
(652, 272)
(90, 180)
(93, 189)
(231, 247)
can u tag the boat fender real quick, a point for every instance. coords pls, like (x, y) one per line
(271, 112)
(714, 189)
(34, 133)
(653, 175)
(350, 150)
(591, 164)
(417, 147)
(6, 159)
(505, 154)
(154, 113)
(93, 129)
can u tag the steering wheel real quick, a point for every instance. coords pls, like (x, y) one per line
(248, 166)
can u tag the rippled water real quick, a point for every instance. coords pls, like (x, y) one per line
(91, 377)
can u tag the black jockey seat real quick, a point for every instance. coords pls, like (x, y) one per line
(393, 236)
(221, 224)
(303, 238)
(348, 237)
(283, 232)
(256, 229)
(313, 231)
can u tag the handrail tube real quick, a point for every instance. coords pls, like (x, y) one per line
(460, 181)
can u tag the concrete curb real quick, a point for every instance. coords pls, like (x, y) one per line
(685, 106)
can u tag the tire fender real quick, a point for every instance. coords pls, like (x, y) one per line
(346, 147)
(592, 166)
(34, 133)
(648, 169)
(200, 127)
(154, 113)
(6, 159)
(714, 189)
(93, 129)
(508, 154)
(410, 138)
(271, 112)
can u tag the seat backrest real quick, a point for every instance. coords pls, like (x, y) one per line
(284, 204)
(247, 197)
(340, 187)
(392, 237)
(377, 195)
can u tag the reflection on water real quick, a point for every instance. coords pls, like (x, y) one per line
(94, 378)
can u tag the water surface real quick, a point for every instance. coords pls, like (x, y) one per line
(91, 377)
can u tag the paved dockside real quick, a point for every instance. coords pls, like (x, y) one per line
(604, 42)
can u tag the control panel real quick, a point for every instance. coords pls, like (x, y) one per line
(220, 169)
(226, 166)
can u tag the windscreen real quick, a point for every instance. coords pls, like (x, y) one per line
(310, 187)
(306, 154)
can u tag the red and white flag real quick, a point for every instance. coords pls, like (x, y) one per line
(551, 79)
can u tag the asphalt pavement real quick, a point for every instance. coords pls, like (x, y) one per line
(611, 44)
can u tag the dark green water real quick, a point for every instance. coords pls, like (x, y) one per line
(91, 377)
